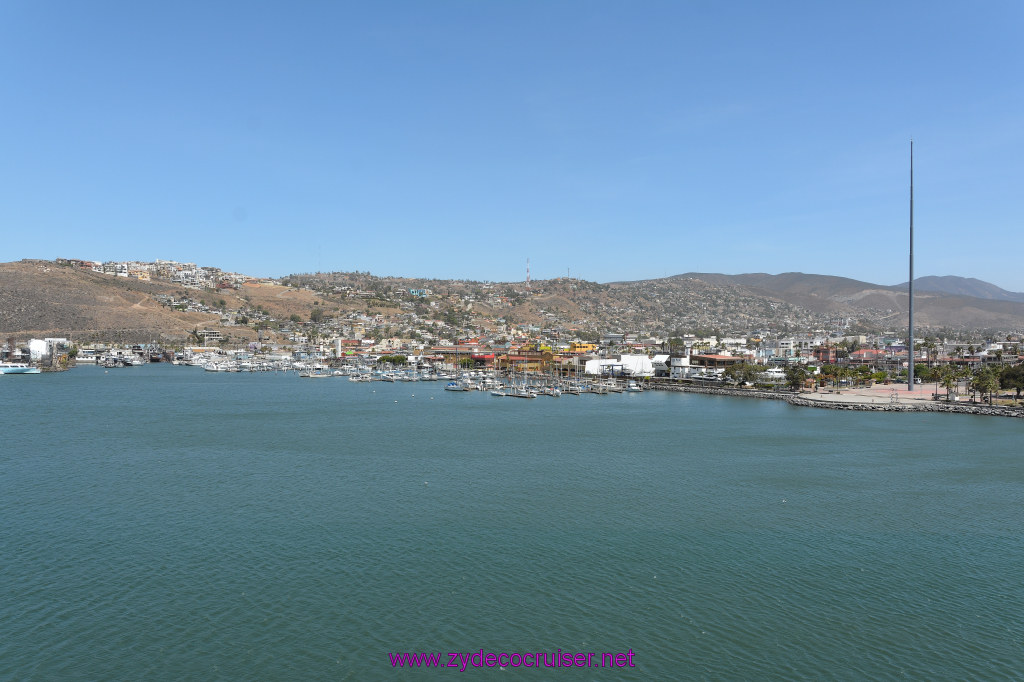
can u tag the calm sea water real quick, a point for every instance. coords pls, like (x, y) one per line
(167, 523)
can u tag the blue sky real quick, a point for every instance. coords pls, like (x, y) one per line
(606, 140)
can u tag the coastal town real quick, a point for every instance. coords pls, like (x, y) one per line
(357, 324)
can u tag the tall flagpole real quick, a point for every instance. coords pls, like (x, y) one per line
(910, 355)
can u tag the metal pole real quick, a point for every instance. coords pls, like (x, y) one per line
(910, 373)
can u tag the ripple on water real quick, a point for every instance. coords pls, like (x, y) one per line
(284, 531)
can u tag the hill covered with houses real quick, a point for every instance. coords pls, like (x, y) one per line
(168, 303)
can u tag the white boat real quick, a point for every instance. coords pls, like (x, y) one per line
(18, 368)
(634, 387)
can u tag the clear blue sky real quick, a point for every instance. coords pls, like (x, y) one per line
(608, 140)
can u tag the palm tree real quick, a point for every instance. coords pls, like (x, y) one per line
(929, 344)
(949, 378)
(985, 381)
(795, 377)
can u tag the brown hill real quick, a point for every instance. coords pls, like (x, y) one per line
(39, 298)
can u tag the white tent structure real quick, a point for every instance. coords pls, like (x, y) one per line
(625, 365)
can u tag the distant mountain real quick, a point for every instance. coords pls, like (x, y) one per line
(964, 286)
(877, 304)
(796, 284)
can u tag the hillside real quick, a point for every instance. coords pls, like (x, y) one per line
(40, 298)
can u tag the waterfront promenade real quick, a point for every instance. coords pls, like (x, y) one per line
(880, 398)
(878, 394)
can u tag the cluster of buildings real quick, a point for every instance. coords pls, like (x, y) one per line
(452, 322)
(36, 351)
(618, 355)
(187, 275)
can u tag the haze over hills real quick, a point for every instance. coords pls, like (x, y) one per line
(965, 286)
(837, 287)
(43, 298)
(826, 297)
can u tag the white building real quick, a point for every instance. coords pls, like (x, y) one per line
(38, 348)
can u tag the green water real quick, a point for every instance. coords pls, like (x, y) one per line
(168, 523)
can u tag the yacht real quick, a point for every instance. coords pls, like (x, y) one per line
(18, 368)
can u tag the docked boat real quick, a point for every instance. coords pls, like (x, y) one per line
(522, 392)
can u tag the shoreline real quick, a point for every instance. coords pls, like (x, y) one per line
(863, 400)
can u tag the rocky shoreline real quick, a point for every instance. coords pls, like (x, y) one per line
(801, 401)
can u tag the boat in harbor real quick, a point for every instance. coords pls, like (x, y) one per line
(18, 368)
(522, 392)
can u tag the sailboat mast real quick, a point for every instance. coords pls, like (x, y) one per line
(910, 356)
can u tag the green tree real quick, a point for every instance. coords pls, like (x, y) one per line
(295, 318)
(1013, 377)
(985, 381)
(795, 377)
(316, 315)
(733, 372)
(744, 372)
(923, 372)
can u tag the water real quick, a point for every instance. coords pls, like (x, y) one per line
(168, 523)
